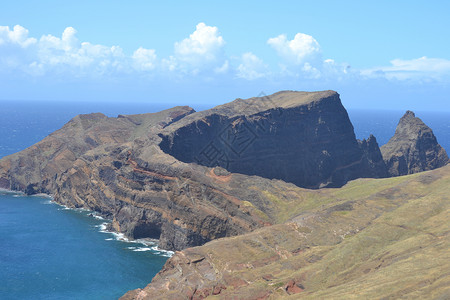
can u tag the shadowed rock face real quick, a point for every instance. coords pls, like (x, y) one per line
(303, 138)
(372, 158)
(286, 240)
(117, 166)
(371, 239)
(413, 148)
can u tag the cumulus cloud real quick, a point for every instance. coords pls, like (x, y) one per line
(252, 67)
(144, 59)
(67, 55)
(17, 36)
(56, 52)
(300, 50)
(422, 68)
(223, 68)
(302, 58)
(201, 53)
(203, 49)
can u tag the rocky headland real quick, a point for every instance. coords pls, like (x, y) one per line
(413, 148)
(298, 137)
(247, 176)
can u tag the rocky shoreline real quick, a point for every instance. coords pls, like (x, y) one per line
(247, 167)
(159, 175)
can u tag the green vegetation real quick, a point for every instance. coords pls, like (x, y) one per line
(371, 239)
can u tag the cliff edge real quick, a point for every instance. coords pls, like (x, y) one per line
(413, 148)
(305, 138)
(187, 177)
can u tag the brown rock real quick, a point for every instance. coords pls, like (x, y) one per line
(299, 137)
(413, 148)
(293, 288)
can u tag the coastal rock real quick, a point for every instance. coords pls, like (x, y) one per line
(413, 148)
(299, 137)
(212, 179)
(147, 173)
(372, 158)
(334, 248)
(115, 167)
(137, 171)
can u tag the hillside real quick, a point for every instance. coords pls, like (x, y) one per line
(371, 239)
(279, 195)
(124, 169)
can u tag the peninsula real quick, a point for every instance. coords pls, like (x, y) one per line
(280, 181)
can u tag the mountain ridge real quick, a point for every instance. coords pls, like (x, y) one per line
(130, 169)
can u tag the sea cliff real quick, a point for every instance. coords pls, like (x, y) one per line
(279, 181)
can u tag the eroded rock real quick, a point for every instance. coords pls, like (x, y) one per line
(413, 148)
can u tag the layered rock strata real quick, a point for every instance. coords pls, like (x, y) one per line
(298, 137)
(413, 148)
(183, 176)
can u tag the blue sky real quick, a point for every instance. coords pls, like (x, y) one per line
(383, 54)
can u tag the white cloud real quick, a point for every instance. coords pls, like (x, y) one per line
(302, 58)
(66, 55)
(251, 67)
(422, 68)
(55, 53)
(201, 53)
(223, 68)
(144, 59)
(203, 49)
(302, 49)
(17, 36)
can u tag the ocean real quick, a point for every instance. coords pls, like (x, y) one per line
(50, 252)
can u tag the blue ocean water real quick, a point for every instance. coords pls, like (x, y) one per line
(48, 252)
(382, 124)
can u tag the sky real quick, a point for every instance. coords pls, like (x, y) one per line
(377, 54)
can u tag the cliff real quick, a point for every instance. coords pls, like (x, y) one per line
(298, 137)
(371, 239)
(413, 148)
(117, 166)
(235, 177)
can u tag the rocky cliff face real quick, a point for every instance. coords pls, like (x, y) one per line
(371, 239)
(303, 138)
(413, 148)
(372, 159)
(182, 176)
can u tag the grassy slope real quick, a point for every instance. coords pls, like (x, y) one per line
(371, 239)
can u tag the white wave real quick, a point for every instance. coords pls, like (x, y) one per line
(121, 237)
(142, 249)
(162, 252)
(42, 195)
(47, 202)
(147, 241)
(103, 227)
(64, 208)
(80, 209)
(168, 254)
